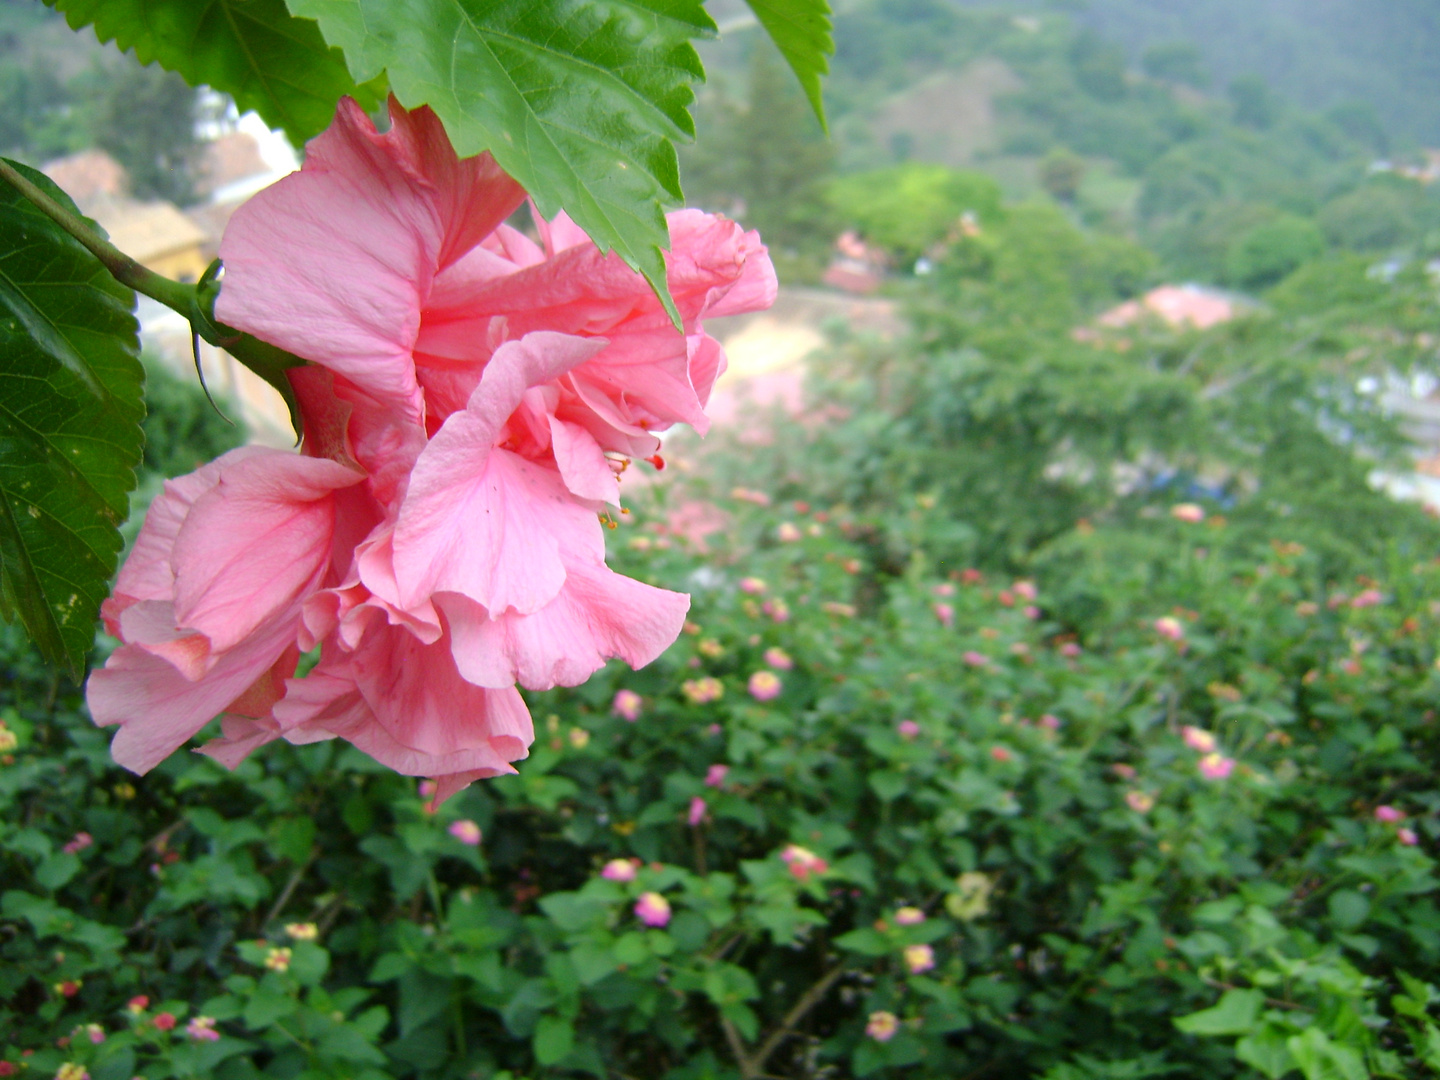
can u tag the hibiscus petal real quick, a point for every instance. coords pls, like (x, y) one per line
(583, 465)
(599, 614)
(405, 704)
(158, 709)
(256, 543)
(334, 262)
(482, 521)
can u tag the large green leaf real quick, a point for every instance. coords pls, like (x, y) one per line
(253, 50)
(70, 437)
(801, 31)
(579, 100)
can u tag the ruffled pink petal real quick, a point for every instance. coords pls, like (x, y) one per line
(583, 465)
(147, 573)
(158, 709)
(255, 543)
(150, 625)
(598, 615)
(333, 263)
(240, 737)
(405, 704)
(481, 521)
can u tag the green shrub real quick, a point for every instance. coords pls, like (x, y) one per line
(1273, 249)
(908, 208)
(989, 754)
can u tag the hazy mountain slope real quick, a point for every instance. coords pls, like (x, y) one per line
(1315, 52)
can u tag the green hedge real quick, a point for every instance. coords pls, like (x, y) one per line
(1017, 773)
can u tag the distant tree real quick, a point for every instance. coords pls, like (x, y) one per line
(1175, 62)
(145, 119)
(1373, 217)
(1270, 251)
(767, 155)
(1254, 101)
(1099, 66)
(908, 208)
(1061, 173)
(1359, 121)
(37, 112)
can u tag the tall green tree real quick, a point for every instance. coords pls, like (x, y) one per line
(767, 157)
(146, 121)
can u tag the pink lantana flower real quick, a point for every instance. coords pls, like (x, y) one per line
(777, 609)
(697, 811)
(944, 612)
(1215, 766)
(1388, 814)
(919, 958)
(1188, 512)
(909, 916)
(652, 909)
(1070, 650)
(202, 1029)
(752, 585)
(627, 704)
(1167, 626)
(80, 842)
(882, 1026)
(803, 862)
(778, 659)
(1198, 739)
(975, 659)
(466, 831)
(703, 691)
(1408, 837)
(468, 398)
(1142, 802)
(907, 729)
(620, 869)
(715, 775)
(765, 686)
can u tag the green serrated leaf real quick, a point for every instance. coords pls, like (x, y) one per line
(801, 30)
(579, 100)
(253, 50)
(70, 436)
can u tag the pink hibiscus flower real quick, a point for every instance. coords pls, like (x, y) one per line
(469, 404)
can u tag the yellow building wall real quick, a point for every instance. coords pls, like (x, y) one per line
(183, 264)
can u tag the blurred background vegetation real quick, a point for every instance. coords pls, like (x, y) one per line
(1000, 556)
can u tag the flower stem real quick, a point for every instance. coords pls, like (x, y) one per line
(195, 303)
(124, 269)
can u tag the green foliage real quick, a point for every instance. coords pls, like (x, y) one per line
(1175, 61)
(253, 50)
(1255, 104)
(801, 31)
(1079, 882)
(183, 430)
(581, 103)
(146, 121)
(70, 412)
(1273, 249)
(908, 208)
(1061, 173)
(765, 160)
